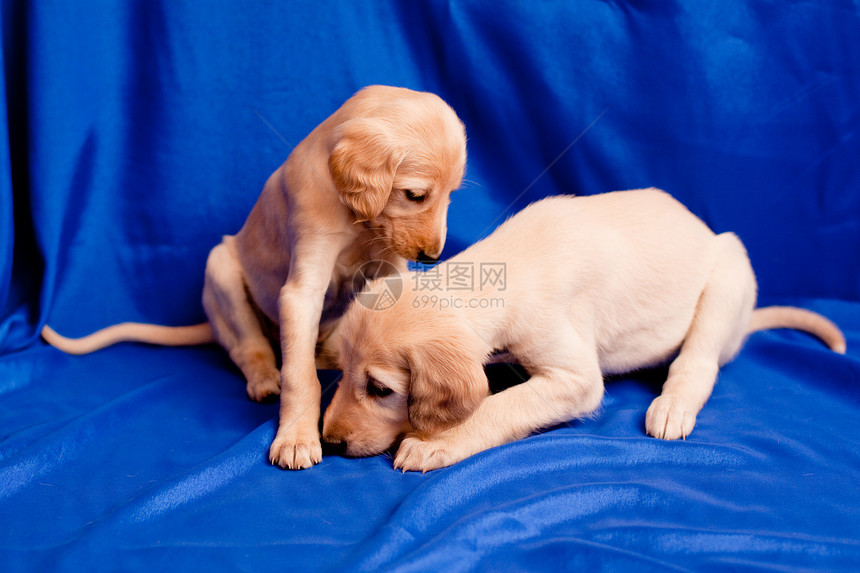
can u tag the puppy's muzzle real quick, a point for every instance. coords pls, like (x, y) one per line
(426, 259)
(334, 447)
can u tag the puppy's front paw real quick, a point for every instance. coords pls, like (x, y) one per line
(419, 455)
(295, 450)
(670, 418)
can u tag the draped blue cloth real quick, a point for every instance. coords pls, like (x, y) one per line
(139, 132)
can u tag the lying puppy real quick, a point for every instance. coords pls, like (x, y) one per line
(369, 185)
(593, 286)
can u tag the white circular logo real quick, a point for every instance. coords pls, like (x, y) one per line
(381, 294)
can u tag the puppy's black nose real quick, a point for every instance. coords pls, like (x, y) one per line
(426, 259)
(334, 447)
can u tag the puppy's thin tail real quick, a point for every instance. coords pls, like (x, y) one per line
(799, 319)
(131, 332)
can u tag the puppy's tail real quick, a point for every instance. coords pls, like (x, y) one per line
(131, 332)
(799, 319)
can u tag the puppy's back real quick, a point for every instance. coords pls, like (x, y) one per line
(619, 264)
(595, 230)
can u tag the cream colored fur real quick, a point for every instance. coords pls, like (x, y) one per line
(369, 184)
(594, 285)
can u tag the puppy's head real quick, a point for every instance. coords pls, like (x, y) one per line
(403, 372)
(395, 160)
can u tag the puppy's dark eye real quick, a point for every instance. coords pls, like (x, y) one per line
(377, 390)
(415, 196)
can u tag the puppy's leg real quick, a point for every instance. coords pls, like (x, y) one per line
(297, 443)
(550, 396)
(715, 336)
(235, 324)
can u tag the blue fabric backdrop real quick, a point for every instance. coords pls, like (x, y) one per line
(138, 132)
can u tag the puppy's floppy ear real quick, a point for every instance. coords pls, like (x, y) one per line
(362, 165)
(447, 384)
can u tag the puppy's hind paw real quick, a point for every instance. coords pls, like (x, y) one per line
(670, 418)
(265, 388)
(295, 452)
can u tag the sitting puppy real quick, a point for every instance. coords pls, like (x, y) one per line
(593, 286)
(369, 185)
